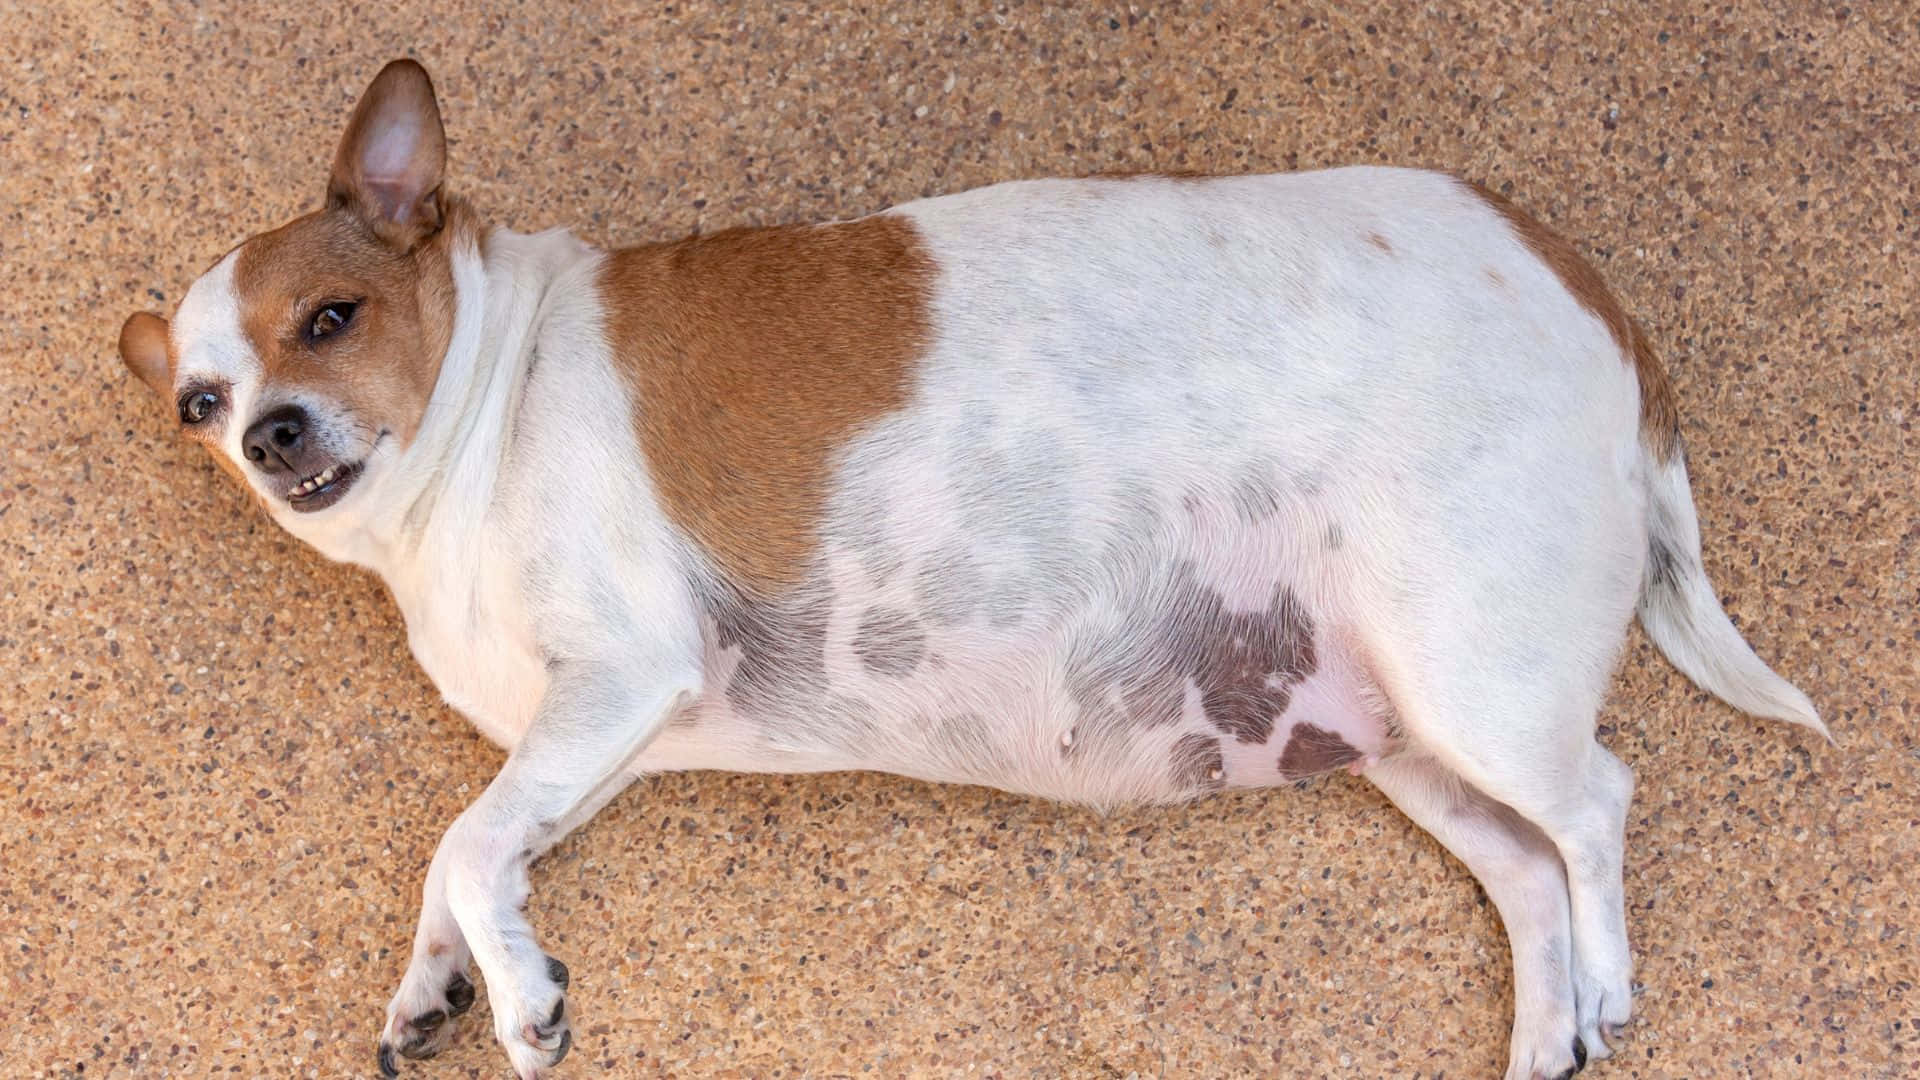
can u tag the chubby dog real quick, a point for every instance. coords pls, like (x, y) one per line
(1106, 490)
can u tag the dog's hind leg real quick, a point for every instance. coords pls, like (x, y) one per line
(1521, 872)
(1527, 743)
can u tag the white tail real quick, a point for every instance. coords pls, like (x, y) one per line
(1682, 614)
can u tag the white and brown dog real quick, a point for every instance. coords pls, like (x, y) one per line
(1104, 490)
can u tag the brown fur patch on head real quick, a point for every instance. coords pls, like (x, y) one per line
(754, 355)
(1659, 413)
(382, 366)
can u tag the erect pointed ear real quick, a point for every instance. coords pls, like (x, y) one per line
(143, 348)
(389, 164)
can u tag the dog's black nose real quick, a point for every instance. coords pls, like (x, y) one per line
(275, 439)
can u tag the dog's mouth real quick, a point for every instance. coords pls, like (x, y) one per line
(324, 488)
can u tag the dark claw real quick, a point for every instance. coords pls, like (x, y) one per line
(387, 1067)
(557, 971)
(1579, 1054)
(459, 994)
(566, 1044)
(558, 1008)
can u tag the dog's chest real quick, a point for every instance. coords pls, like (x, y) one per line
(470, 632)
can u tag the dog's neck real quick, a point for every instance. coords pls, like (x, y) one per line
(502, 281)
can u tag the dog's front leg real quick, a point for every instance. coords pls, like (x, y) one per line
(593, 720)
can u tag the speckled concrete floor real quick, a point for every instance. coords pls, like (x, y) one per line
(221, 777)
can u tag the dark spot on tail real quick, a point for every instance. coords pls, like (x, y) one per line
(1313, 750)
(1663, 566)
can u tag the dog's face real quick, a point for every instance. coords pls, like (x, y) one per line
(305, 358)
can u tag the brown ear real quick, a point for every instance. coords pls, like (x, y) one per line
(143, 348)
(389, 164)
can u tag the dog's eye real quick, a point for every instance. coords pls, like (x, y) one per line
(330, 320)
(197, 405)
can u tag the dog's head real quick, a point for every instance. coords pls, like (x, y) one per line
(304, 358)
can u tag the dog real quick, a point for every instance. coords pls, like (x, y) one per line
(1110, 490)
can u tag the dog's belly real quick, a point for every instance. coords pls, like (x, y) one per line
(1186, 661)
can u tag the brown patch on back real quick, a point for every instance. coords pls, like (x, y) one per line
(382, 367)
(1313, 750)
(1380, 242)
(754, 355)
(1659, 413)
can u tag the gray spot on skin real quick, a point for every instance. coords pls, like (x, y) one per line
(856, 721)
(889, 642)
(1017, 510)
(1336, 537)
(1312, 750)
(968, 743)
(1197, 763)
(1244, 664)
(1255, 499)
(1154, 702)
(949, 587)
(782, 645)
(882, 561)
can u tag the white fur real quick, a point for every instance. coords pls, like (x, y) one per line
(213, 349)
(1355, 395)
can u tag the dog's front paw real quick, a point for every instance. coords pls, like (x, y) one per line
(530, 1018)
(420, 1017)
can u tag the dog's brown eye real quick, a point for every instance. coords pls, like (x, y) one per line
(197, 405)
(330, 320)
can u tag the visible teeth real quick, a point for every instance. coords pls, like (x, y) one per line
(314, 483)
